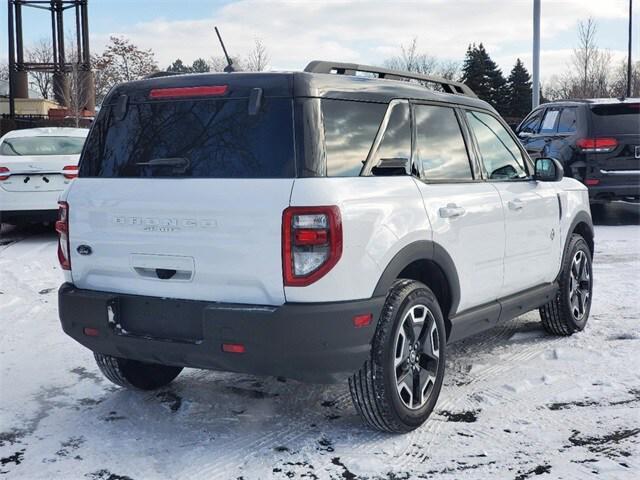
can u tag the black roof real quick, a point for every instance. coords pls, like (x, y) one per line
(296, 84)
(593, 101)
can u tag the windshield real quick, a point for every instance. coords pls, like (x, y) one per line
(617, 119)
(19, 146)
(212, 138)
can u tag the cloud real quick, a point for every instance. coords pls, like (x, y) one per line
(367, 32)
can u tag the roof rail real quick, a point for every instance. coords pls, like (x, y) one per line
(449, 86)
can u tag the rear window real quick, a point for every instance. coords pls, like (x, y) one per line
(350, 129)
(29, 146)
(616, 119)
(206, 138)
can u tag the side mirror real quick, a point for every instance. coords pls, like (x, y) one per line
(387, 167)
(524, 134)
(548, 170)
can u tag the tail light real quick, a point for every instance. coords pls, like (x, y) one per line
(597, 145)
(311, 243)
(62, 227)
(70, 171)
(3, 171)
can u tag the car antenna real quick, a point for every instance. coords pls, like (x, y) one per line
(229, 68)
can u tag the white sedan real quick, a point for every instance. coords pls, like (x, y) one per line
(35, 166)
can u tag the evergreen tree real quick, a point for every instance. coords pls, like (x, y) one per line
(200, 65)
(519, 85)
(179, 67)
(484, 77)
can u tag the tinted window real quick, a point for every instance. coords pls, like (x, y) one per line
(18, 146)
(616, 119)
(396, 140)
(350, 129)
(549, 121)
(567, 122)
(532, 124)
(218, 138)
(440, 145)
(500, 153)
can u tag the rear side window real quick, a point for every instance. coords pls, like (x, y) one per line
(617, 119)
(33, 146)
(396, 140)
(549, 121)
(207, 138)
(440, 146)
(568, 120)
(349, 129)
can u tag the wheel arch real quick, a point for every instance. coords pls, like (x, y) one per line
(429, 263)
(582, 224)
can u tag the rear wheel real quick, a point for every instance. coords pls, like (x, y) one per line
(397, 388)
(135, 374)
(569, 311)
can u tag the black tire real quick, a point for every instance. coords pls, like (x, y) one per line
(559, 316)
(375, 388)
(134, 374)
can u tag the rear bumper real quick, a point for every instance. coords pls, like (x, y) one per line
(309, 342)
(615, 185)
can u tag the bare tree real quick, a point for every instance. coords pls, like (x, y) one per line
(590, 63)
(618, 86)
(4, 71)
(77, 89)
(121, 61)
(411, 59)
(217, 64)
(258, 57)
(41, 52)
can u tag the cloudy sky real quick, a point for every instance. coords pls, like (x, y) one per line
(296, 32)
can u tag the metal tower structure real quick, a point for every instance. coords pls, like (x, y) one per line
(60, 66)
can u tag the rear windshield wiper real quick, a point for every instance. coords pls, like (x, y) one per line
(180, 163)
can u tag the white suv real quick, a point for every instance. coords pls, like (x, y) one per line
(316, 225)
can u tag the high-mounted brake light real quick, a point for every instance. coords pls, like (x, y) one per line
(177, 92)
(597, 145)
(311, 243)
(4, 170)
(62, 227)
(70, 171)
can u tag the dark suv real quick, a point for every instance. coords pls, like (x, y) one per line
(596, 140)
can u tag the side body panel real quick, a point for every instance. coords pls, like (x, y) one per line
(475, 240)
(532, 249)
(380, 216)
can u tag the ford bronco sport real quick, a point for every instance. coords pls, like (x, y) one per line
(324, 225)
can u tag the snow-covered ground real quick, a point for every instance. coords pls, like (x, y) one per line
(517, 403)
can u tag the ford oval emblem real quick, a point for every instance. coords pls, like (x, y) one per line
(84, 250)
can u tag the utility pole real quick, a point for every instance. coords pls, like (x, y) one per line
(629, 52)
(535, 97)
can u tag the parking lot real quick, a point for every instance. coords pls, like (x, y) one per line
(517, 403)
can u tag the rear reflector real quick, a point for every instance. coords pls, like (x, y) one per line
(62, 227)
(592, 181)
(360, 321)
(233, 348)
(597, 145)
(91, 332)
(210, 91)
(4, 170)
(70, 171)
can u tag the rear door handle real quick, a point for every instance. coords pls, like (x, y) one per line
(452, 211)
(515, 204)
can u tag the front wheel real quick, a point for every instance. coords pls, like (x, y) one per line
(135, 374)
(397, 388)
(569, 311)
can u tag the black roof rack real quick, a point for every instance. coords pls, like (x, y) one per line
(449, 86)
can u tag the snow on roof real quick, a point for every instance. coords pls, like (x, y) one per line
(48, 132)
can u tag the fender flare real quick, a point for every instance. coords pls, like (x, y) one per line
(581, 217)
(422, 250)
